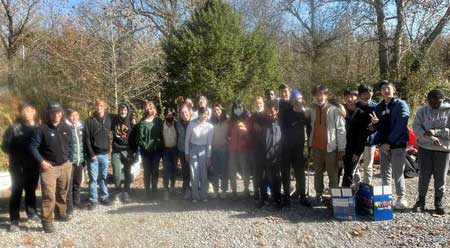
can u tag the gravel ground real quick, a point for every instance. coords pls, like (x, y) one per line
(227, 223)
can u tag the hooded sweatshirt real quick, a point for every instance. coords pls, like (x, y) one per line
(96, 135)
(78, 155)
(121, 129)
(438, 120)
(16, 142)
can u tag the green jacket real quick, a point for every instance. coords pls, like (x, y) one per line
(149, 135)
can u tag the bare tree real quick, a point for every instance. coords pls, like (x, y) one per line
(15, 21)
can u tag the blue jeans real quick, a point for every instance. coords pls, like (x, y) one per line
(98, 173)
(185, 170)
(199, 172)
(169, 167)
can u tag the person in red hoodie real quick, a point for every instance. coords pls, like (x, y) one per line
(239, 146)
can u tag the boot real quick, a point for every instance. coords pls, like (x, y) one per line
(419, 206)
(439, 206)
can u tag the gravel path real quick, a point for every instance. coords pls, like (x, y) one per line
(225, 223)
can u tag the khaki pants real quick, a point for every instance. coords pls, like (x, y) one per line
(324, 161)
(54, 183)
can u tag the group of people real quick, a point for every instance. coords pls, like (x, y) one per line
(265, 143)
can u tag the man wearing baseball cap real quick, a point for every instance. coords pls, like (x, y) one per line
(51, 147)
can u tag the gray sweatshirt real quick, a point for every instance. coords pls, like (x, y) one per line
(437, 120)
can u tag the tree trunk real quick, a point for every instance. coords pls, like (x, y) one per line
(383, 60)
(397, 49)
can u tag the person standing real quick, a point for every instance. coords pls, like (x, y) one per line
(149, 138)
(78, 161)
(390, 120)
(96, 140)
(239, 147)
(327, 140)
(272, 151)
(219, 166)
(198, 151)
(122, 155)
(23, 168)
(432, 129)
(202, 103)
(169, 153)
(51, 147)
(295, 124)
(356, 123)
(365, 103)
(181, 125)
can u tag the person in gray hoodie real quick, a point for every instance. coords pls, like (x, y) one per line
(432, 128)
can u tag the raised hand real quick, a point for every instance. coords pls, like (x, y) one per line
(374, 118)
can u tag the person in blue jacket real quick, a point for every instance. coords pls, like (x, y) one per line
(390, 120)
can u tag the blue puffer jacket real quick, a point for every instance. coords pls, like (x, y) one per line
(394, 130)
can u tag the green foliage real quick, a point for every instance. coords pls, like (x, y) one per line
(211, 54)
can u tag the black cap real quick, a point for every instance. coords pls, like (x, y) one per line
(54, 107)
(349, 91)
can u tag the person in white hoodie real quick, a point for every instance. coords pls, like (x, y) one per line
(432, 128)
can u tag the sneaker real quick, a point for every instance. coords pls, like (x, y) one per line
(439, 206)
(107, 202)
(187, 194)
(401, 203)
(125, 198)
(419, 206)
(48, 227)
(34, 218)
(64, 218)
(166, 195)
(304, 201)
(318, 201)
(92, 206)
(14, 227)
(295, 195)
(194, 201)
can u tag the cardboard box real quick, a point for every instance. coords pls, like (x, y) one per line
(343, 203)
(375, 201)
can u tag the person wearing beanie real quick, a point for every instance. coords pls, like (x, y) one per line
(432, 129)
(51, 147)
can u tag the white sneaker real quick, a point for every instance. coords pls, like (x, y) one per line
(401, 203)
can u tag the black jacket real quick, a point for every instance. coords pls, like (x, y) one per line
(16, 143)
(294, 126)
(53, 144)
(96, 135)
(272, 142)
(357, 123)
(121, 129)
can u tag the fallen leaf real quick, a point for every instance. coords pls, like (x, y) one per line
(307, 238)
(27, 241)
(437, 216)
(261, 243)
(67, 243)
(258, 234)
(359, 231)
(258, 224)
(275, 219)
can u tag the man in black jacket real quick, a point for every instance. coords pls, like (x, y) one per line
(294, 126)
(23, 168)
(96, 141)
(51, 147)
(356, 123)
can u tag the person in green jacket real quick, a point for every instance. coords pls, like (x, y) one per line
(149, 139)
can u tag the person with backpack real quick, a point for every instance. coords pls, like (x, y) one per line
(198, 151)
(432, 129)
(327, 141)
(149, 138)
(78, 161)
(96, 140)
(219, 165)
(169, 153)
(365, 103)
(182, 125)
(123, 156)
(390, 120)
(239, 147)
(51, 147)
(294, 125)
(23, 168)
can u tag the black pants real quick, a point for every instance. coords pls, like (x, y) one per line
(293, 157)
(259, 175)
(23, 179)
(73, 192)
(349, 167)
(274, 177)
